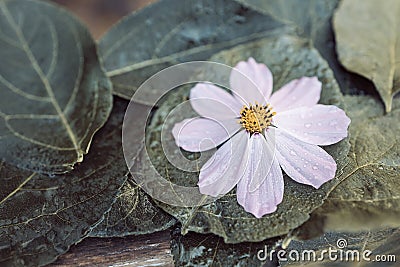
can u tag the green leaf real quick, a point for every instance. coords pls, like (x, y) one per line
(368, 46)
(133, 213)
(312, 21)
(288, 58)
(209, 250)
(369, 193)
(380, 242)
(40, 217)
(170, 32)
(54, 93)
(310, 17)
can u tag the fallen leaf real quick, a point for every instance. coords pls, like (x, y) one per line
(54, 93)
(170, 32)
(209, 250)
(368, 195)
(367, 43)
(41, 216)
(132, 213)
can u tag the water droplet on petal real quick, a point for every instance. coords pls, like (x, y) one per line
(307, 125)
(333, 123)
(332, 110)
(293, 153)
(315, 167)
(319, 123)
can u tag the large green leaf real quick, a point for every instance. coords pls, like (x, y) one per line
(288, 58)
(40, 217)
(54, 93)
(369, 193)
(133, 213)
(173, 31)
(367, 36)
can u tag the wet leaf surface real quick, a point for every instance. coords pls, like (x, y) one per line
(170, 32)
(288, 58)
(369, 46)
(369, 194)
(54, 93)
(41, 216)
(312, 21)
(209, 250)
(133, 213)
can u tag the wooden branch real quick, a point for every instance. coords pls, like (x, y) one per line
(143, 250)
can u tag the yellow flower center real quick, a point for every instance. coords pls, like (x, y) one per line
(256, 118)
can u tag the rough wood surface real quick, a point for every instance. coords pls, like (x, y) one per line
(145, 250)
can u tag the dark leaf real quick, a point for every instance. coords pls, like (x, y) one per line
(41, 216)
(312, 19)
(369, 193)
(54, 93)
(209, 250)
(369, 46)
(133, 213)
(173, 31)
(288, 58)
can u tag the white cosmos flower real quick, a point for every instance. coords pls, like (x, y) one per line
(261, 133)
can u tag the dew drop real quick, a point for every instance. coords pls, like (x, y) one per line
(319, 123)
(315, 167)
(307, 125)
(332, 110)
(297, 169)
(333, 123)
(304, 166)
(293, 153)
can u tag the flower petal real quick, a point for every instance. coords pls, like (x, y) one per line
(303, 92)
(200, 134)
(305, 163)
(213, 102)
(265, 198)
(225, 168)
(251, 81)
(318, 125)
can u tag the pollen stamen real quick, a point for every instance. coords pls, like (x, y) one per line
(256, 118)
